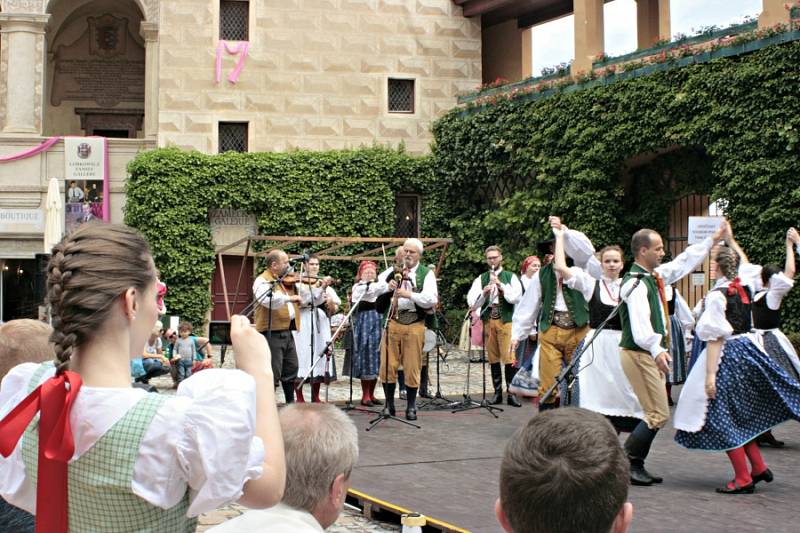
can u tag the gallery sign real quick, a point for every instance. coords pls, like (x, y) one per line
(85, 181)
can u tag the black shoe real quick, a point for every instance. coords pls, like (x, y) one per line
(388, 411)
(388, 392)
(424, 393)
(403, 395)
(769, 439)
(640, 477)
(411, 413)
(765, 476)
(750, 488)
(513, 401)
(656, 479)
(376, 401)
(497, 398)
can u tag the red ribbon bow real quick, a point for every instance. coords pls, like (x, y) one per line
(53, 399)
(736, 286)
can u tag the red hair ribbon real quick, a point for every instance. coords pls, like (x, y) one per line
(736, 286)
(53, 399)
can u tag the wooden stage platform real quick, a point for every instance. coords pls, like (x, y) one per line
(448, 470)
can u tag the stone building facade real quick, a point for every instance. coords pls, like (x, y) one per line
(318, 75)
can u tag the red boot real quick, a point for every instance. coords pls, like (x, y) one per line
(315, 392)
(366, 399)
(298, 393)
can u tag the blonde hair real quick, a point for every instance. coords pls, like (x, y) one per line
(24, 341)
(727, 261)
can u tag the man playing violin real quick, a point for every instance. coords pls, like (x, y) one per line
(277, 315)
(415, 295)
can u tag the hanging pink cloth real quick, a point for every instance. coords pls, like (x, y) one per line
(240, 49)
(32, 151)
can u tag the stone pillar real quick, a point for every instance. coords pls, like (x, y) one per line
(506, 52)
(589, 34)
(526, 38)
(21, 72)
(773, 12)
(149, 32)
(652, 22)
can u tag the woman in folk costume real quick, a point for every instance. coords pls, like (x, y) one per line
(681, 320)
(600, 384)
(315, 330)
(524, 383)
(367, 331)
(103, 456)
(767, 318)
(735, 391)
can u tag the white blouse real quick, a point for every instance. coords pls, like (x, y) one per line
(582, 281)
(203, 437)
(370, 291)
(779, 286)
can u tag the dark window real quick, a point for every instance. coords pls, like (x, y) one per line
(232, 137)
(234, 19)
(406, 215)
(114, 134)
(401, 96)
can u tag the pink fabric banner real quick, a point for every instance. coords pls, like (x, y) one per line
(240, 49)
(32, 151)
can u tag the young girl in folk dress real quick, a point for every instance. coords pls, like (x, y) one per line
(734, 391)
(103, 456)
(524, 383)
(601, 384)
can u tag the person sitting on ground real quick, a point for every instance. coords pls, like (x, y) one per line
(564, 471)
(21, 341)
(321, 445)
(153, 360)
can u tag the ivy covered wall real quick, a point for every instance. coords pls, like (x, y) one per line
(347, 193)
(741, 114)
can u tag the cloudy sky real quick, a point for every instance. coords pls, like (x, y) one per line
(553, 42)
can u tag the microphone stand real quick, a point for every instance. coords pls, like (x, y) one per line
(567, 373)
(439, 401)
(468, 403)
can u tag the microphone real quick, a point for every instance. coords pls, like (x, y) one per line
(640, 275)
(302, 258)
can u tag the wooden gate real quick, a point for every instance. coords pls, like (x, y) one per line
(232, 266)
(691, 205)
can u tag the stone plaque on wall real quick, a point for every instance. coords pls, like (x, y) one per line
(24, 6)
(105, 65)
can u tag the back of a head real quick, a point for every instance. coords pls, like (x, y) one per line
(24, 341)
(88, 271)
(768, 271)
(727, 261)
(564, 471)
(321, 442)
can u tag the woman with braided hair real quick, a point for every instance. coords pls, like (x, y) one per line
(103, 456)
(734, 391)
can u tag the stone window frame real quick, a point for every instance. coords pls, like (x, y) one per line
(247, 29)
(385, 96)
(222, 123)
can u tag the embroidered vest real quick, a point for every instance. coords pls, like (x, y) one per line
(280, 320)
(656, 320)
(576, 304)
(506, 309)
(100, 495)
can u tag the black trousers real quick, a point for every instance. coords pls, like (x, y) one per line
(284, 355)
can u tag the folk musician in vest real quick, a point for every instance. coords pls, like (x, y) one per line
(277, 315)
(494, 294)
(563, 316)
(646, 334)
(415, 297)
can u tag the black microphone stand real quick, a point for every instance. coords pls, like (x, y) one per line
(567, 373)
(439, 400)
(384, 414)
(468, 403)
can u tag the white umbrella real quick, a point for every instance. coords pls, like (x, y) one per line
(54, 216)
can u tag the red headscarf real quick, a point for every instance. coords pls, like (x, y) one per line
(366, 264)
(527, 263)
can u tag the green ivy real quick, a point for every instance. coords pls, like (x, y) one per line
(337, 193)
(729, 128)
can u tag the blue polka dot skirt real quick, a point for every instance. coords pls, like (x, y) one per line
(754, 394)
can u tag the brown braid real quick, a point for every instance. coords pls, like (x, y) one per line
(727, 261)
(88, 270)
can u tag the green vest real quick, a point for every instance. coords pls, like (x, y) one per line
(576, 304)
(99, 482)
(431, 320)
(506, 309)
(656, 321)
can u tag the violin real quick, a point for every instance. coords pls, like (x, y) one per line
(291, 279)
